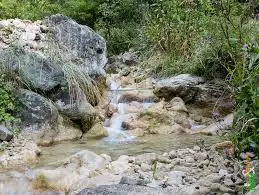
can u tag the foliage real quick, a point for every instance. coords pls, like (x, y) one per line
(121, 23)
(84, 11)
(7, 105)
(244, 79)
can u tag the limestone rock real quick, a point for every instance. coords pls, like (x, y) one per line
(193, 89)
(5, 134)
(39, 117)
(77, 109)
(97, 131)
(85, 47)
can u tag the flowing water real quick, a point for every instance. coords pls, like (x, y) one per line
(119, 142)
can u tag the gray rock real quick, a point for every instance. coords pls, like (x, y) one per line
(181, 86)
(76, 109)
(173, 154)
(129, 58)
(85, 47)
(39, 117)
(5, 134)
(131, 181)
(175, 178)
(36, 72)
(193, 89)
(147, 158)
(123, 189)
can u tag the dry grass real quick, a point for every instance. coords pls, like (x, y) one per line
(40, 182)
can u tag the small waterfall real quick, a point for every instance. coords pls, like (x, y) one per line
(116, 133)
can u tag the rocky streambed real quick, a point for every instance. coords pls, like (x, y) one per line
(143, 135)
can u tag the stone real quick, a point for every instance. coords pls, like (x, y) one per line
(5, 134)
(132, 97)
(145, 167)
(196, 148)
(180, 86)
(223, 173)
(129, 58)
(214, 128)
(176, 104)
(39, 117)
(175, 178)
(76, 107)
(24, 152)
(97, 131)
(193, 89)
(173, 154)
(37, 72)
(122, 189)
(200, 156)
(131, 181)
(85, 47)
(147, 158)
(41, 121)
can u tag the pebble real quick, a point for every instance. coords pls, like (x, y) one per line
(196, 148)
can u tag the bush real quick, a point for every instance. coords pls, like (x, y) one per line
(7, 101)
(121, 24)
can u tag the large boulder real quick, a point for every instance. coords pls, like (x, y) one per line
(178, 86)
(194, 89)
(75, 107)
(83, 46)
(39, 117)
(35, 71)
(41, 121)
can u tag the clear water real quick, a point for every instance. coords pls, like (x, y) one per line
(149, 143)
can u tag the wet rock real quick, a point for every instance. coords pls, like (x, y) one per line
(97, 131)
(110, 110)
(5, 134)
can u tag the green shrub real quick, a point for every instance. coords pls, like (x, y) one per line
(7, 104)
(245, 83)
(121, 24)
